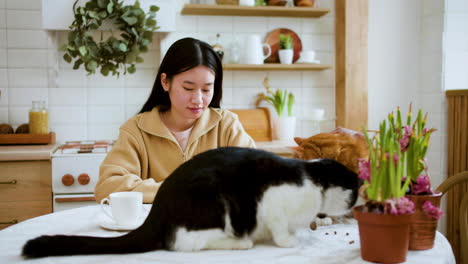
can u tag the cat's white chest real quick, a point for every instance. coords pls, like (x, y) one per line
(287, 205)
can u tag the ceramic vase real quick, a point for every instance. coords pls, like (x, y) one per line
(423, 227)
(285, 127)
(286, 56)
(384, 238)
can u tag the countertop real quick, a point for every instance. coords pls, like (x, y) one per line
(27, 152)
(44, 152)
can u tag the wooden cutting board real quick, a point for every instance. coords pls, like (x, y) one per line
(272, 38)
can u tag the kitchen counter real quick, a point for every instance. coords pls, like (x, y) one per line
(27, 152)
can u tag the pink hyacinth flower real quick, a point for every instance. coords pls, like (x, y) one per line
(432, 211)
(405, 140)
(402, 205)
(422, 185)
(364, 169)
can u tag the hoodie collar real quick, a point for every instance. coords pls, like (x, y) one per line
(151, 123)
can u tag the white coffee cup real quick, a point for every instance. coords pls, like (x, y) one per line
(125, 207)
(307, 56)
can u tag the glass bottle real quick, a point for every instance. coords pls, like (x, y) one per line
(218, 48)
(38, 118)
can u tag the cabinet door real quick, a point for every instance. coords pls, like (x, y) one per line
(25, 181)
(15, 212)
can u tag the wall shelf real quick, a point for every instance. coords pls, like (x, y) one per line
(276, 67)
(270, 11)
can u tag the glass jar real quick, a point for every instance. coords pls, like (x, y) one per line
(38, 118)
(218, 48)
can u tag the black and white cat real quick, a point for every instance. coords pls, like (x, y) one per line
(227, 198)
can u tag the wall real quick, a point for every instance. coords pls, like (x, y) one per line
(93, 107)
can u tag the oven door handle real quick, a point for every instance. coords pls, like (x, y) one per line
(74, 199)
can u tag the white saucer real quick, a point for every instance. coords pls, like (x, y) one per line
(112, 225)
(304, 62)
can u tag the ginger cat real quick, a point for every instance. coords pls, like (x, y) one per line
(343, 145)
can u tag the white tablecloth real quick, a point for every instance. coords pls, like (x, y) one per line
(314, 247)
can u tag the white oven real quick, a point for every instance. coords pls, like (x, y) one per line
(75, 172)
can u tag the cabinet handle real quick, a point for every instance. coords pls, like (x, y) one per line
(9, 182)
(9, 222)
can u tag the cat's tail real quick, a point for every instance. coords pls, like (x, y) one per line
(62, 245)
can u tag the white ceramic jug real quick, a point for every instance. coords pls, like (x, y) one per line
(253, 53)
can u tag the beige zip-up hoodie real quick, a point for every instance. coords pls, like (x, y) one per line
(146, 152)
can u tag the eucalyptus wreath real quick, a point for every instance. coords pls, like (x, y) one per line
(133, 27)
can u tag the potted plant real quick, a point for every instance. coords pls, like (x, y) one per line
(281, 100)
(414, 140)
(286, 51)
(385, 218)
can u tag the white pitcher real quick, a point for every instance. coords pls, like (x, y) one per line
(253, 53)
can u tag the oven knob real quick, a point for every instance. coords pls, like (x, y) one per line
(83, 179)
(68, 179)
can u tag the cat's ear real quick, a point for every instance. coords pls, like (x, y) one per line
(299, 140)
(299, 151)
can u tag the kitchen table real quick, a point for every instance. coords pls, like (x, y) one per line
(337, 243)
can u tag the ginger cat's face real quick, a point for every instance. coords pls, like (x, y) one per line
(343, 145)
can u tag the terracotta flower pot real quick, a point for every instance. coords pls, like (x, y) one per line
(384, 237)
(423, 227)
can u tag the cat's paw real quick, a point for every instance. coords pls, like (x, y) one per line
(243, 244)
(286, 241)
(326, 221)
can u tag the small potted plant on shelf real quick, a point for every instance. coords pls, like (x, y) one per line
(281, 100)
(286, 52)
(385, 217)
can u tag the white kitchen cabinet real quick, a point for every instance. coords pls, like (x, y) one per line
(58, 14)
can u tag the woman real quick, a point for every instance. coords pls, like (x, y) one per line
(180, 119)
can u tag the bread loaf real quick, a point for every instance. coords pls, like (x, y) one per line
(6, 129)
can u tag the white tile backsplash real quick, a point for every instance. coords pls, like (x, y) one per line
(24, 4)
(3, 78)
(215, 24)
(27, 39)
(3, 39)
(71, 115)
(456, 5)
(4, 114)
(94, 107)
(2, 18)
(24, 78)
(3, 58)
(18, 115)
(25, 96)
(4, 96)
(27, 58)
(23, 19)
(106, 114)
(67, 97)
(105, 96)
(137, 96)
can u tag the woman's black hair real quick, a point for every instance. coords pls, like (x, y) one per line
(183, 55)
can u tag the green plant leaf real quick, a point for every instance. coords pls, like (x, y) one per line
(131, 69)
(102, 3)
(151, 22)
(102, 14)
(105, 70)
(123, 47)
(110, 7)
(77, 64)
(91, 65)
(83, 51)
(154, 8)
(93, 14)
(67, 57)
(130, 20)
(139, 59)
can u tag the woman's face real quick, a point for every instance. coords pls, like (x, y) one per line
(190, 92)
